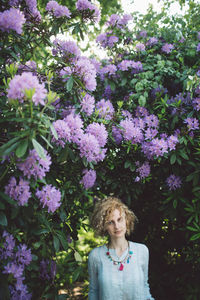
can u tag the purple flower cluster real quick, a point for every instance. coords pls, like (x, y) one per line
(12, 19)
(88, 104)
(26, 81)
(107, 39)
(15, 259)
(198, 47)
(105, 109)
(143, 130)
(29, 66)
(19, 192)
(58, 10)
(47, 269)
(119, 22)
(192, 123)
(88, 10)
(67, 49)
(50, 197)
(109, 69)
(143, 170)
(125, 65)
(63, 132)
(32, 11)
(196, 103)
(34, 165)
(85, 69)
(167, 48)
(89, 178)
(14, 2)
(140, 47)
(152, 41)
(75, 124)
(173, 182)
(116, 133)
(99, 131)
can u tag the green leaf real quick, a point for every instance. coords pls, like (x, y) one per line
(56, 243)
(7, 198)
(172, 158)
(76, 274)
(127, 164)
(3, 219)
(53, 131)
(142, 100)
(48, 143)
(2, 205)
(21, 149)
(39, 149)
(78, 257)
(123, 82)
(192, 228)
(62, 239)
(184, 155)
(69, 84)
(195, 237)
(175, 202)
(112, 85)
(41, 231)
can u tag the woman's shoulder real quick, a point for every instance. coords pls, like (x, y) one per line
(95, 252)
(138, 246)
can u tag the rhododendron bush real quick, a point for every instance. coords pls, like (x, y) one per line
(75, 127)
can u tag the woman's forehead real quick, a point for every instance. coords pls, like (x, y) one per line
(116, 213)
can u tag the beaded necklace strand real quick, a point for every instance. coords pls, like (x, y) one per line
(123, 261)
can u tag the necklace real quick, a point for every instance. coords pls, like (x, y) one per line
(120, 262)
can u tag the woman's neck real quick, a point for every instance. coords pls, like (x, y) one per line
(120, 245)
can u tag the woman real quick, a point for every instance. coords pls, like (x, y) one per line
(118, 270)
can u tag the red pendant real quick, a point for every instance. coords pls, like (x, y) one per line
(121, 267)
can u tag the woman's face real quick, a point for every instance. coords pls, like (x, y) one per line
(116, 224)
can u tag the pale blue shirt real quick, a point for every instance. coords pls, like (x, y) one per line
(107, 282)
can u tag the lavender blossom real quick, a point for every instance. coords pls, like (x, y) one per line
(50, 197)
(32, 11)
(141, 111)
(152, 41)
(84, 6)
(174, 182)
(58, 10)
(140, 47)
(23, 255)
(47, 269)
(99, 131)
(192, 123)
(172, 141)
(116, 133)
(12, 19)
(167, 48)
(143, 170)
(14, 269)
(34, 165)
(105, 109)
(89, 147)
(196, 103)
(87, 72)
(63, 132)
(67, 49)
(152, 121)
(19, 192)
(88, 104)
(130, 131)
(75, 124)
(198, 47)
(26, 81)
(89, 178)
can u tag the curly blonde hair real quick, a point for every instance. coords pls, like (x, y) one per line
(102, 211)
